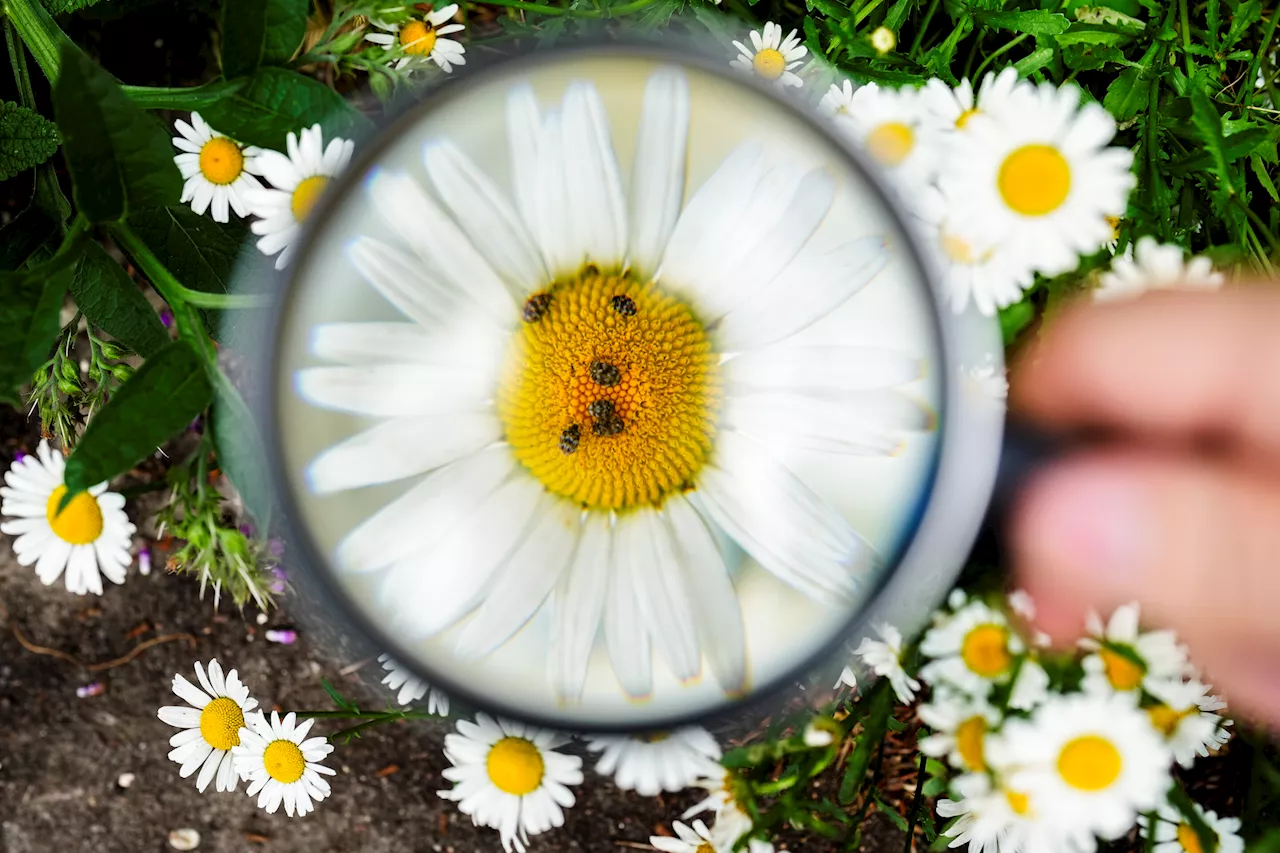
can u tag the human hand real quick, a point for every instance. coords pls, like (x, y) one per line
(1184, 517)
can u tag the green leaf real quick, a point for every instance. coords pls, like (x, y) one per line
(1246, 15)
(1034, 61)
(939, 61)
(199, 252)
(1038, 22)
(1094, 34)
(889, 811)
(260, 32)
(1126, 94)
(1015, 318)
(898, 13)
(65, 7)
(1208, 122)
(240, 450)
(157, 403)
(27, 139)
(1235, 146)
(873, 728)
(1090, 57)
(120, 158)
(29, 303)
(29, 230)
(935, 786)
(275, 102)
(343, 703)
(112, 302)
(1260, 171)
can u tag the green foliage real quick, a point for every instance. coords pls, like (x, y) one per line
(29, 303)
(240, 450)
(19, 240)
(201, 253)
(275, 102)
(27, 139)
(64, 7)
(260, 32)
(112, 301)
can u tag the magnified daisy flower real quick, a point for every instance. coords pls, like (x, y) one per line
(297, 182)
(663, 761)
(884, 658)
(421, 39)
(960, 724)
(281, 764)
(771, 56)
(955, 107)
(540, 338)
(411, 688)
(975, 649)
(211, 725)
(89, 538)
(1174, 834)
(1039, 178)
(839, 99)
(1185, 715)
(509, 777)
(1148, 265)
(1126, 658)
(897, 129)
(218, 171)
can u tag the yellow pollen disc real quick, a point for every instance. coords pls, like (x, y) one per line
(658, 401)
(1089, 763)
(1188, 839)
(80, 523)
(221, 161)
(891, 142)
(969, 735)
(220, 723)
(704, 847)
(956, 249)
(1034, 180)
(306, 194)
(515, 766)
(769, 63)
(985, 650)
(1123, 673)
(1020, 803)
(418, 38)
(1165, 719)
(657, 737)
(963, 118)
(1114, 222)
(283, 760)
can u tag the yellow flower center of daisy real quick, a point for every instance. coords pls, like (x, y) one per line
(306, 194)
(1188, 839)
(220, 723)
(1034, 180)
(891, 142)
(608, 391)
(963, 118)
(418, 38)
(1089, 763)
(1020, 803)
(1121, 671)
(515, 766)
(704, 847)
(657, 737)
(985, 650)
(221, 161)
(969, 737)
(1114, 222)
(80, 523)
(769, 63)
(283, 760)
(1165, 719)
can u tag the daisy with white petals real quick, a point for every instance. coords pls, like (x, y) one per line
(88, 538)
(297, 182)
(420, 39)
(217, 170)
(955, 107)
(884, 658)
(1148, 265)
(1126, 658)
(960, 726)
(731, 819)
(897, 129)
(772, 57)
(211, 726)
(975, 649)
(509, 777)
(663, 761)
(692, 838)
(839, 99)
(410, 688)
(1186, 714)
(1173, 833)
(281, 764)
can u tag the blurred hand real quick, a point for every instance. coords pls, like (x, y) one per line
(1183, 518)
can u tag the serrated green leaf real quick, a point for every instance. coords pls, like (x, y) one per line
(1246, 15)
(1100, 34)
(873, 728)
(201, 253)
(889, 811)
(1038, 22)
(1234, 147)
(112, 302)
(939, 60)
(898, 13)
(1090, 57)
(29, 230)
(935, 786)
(27, 139)
(1208, 123)
(120, 158)
(260, 32)
(66, 7)
(241, 451)
(1126, 94)
(29, 304)
(157, 403)
(1034, 61)
(276, 101)
(1260, 171)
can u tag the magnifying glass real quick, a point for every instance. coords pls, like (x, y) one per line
(609, 390)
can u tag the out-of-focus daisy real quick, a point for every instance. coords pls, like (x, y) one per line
(847, 678)
(1174, 834)
(692, 838)
(210, 726)
(297, 182)
(411, 688)
(986, 382)
(217, 170)
(771, 56)
(1126, 658)
(884, 658)
(89, 538)
(420, 38)
(839, 99)
(955, 107)
(898, 131)
(1186, 716)
(1039, 178)
(281, 764)
(960, 725)
(975, 649)
(663, 761)
(991, 817)
(731, 819)
(1148, 265)
(883, 40)
(510, 777)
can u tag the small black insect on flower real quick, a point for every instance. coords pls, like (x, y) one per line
(624, 305)
(600, 409)
(569, 438)
(608, 425)
(603, 373)
(536, 306)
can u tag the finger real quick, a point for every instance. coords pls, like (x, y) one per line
(1196, 543)
(1167, 365)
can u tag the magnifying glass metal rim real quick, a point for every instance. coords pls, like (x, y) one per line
(321, 572)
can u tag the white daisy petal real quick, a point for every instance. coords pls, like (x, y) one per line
(578, 604)
(658, 176)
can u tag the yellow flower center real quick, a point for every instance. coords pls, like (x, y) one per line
(221, 161)
(969, 736)
(283, 760)
(220, 723)
(1114, 222)
(1089, 763)
(769, 63)
(891, 142)
(418, 38)
(1188, 839)
(963, 118)
(1123, 672)
(985, 650)
(1165, 719)
(1020, 803)
(704, 847)
(608, 392)
(80, 523)
(656, 737)
(515, 766)
(1034, 180)
(306, 194)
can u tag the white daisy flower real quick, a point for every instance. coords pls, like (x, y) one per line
(89, 538)
(420, 39)
(975, 649)
(694, 838)
(1174, 834)
(605, 502)
(218, 171)
(847, 678)
(1148, 265)
(1185, 715)
(960, 726)
(411, 688)
(1085, 762)
(210, 726)
(509, 777)
(663, 761)
(731, 820)
(771, 56)
(955, 107)
(281, 764)
(993, 818)
(1125, 658)
(884, 658)
(839, 99)
(1038, 179)
(297, 182)
(897, 129)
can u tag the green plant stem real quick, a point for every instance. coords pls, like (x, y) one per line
(924, 26)
(182, 98)
(865, 11)
(44, 38)
(999, 51)
(171, 289)
(190, 326)
(1248, 91)
(915, 803)
(1186, 38)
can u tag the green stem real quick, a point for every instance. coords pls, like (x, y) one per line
(1186, 38)
(1259, 58)
(865, 11)
(1004, 48)
(44, 38)
(1258, 221)
(190, 326)
(180, 98)
(924, 26)
(915, 803)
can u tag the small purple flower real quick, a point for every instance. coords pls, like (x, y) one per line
(18, 456)
(248, 529)
(275, 546)
(144, 561)
(283, 636)
(95, 689)
(166, 317)
(281, 578)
